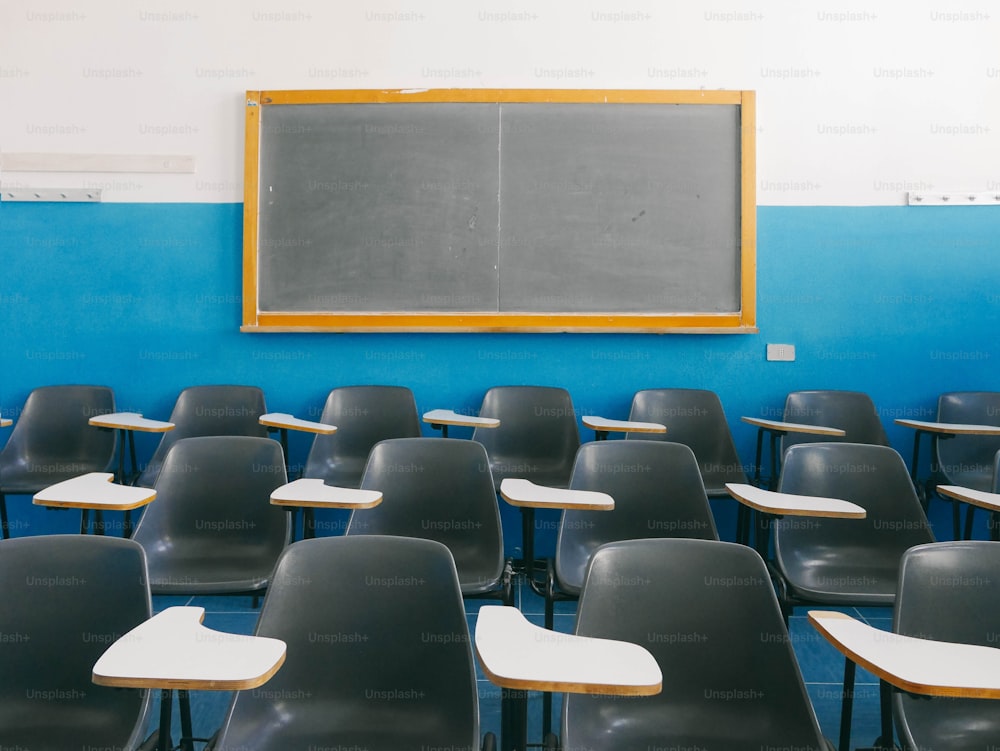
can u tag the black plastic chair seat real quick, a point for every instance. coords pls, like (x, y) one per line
(658, 492)
(967, 460)
(364, 415)
(856, 576)
(848, 561)
(208, 411)
(52, 441)
(851, 411)
(438, 489)
(212, 528)
(708, 614)
(694, 417)
(949, 592)
(378, 655)
(538, 435)
(66, 599)
(209, 574)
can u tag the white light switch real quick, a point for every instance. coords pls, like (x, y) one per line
(781, 352)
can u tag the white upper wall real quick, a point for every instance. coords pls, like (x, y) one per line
(855, 106)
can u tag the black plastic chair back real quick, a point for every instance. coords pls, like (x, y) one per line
(949, 592)
(67, 598)
(695, 418)
(848, 561)
(51, 440)
(212, 528)
(851, 411)
(538, 435)
(968, 460)
(707, 612)
(438, 489)
(658, 492)
(364, 415)
(379, 654)
(206, 411)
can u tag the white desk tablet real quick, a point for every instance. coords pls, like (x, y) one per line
(314, 493)
(527, 494)
(517, 654)
(94, 490)
(603, 425)
(285, 421)
(131, 421)
(980, 498)
(174, 650)
(787, 504)
(919, 666)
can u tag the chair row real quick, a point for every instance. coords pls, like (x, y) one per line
(379, 654)
(537, 436)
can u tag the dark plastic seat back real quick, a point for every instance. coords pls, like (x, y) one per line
(658, 492)
(851, 411)
(707, 612)
(212, 527)
(438, 489)
(364, 415)
(849, 561)
(206, 411)
(949, 591)
(967, 460)
(51, 440)
(695, 418)
(66, 599)
(379, 654)
(538, 435)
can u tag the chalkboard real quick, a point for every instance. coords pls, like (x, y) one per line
(522, 210)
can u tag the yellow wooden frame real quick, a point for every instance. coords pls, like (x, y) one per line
(743, 321)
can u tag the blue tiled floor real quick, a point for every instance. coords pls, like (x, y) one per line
(821, 666)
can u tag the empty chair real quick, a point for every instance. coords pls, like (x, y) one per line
(847, 561)
(212, 528)
(364, 415)
(695, 418)
(52, 441)
(439, 489)
(658, 492)
(851, 411)
(707, 612)
(66, 599)
(967, 460)
(538, 435)
(379, 655)
(205, 411)
(950, 592)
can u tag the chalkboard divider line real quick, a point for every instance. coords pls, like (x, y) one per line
(499, 195)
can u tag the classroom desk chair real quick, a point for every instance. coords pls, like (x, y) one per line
(207, 411)
(706, 611)
(379, 653)
(52, 441)
(66, 598)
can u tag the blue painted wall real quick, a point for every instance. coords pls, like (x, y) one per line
(899, 302)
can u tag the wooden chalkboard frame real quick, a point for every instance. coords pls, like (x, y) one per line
(741, 321)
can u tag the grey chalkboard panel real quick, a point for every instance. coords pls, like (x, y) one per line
(499, 210)
(378, 207)
(629, 207)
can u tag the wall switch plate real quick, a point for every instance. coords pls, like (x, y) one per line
(781, 352)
